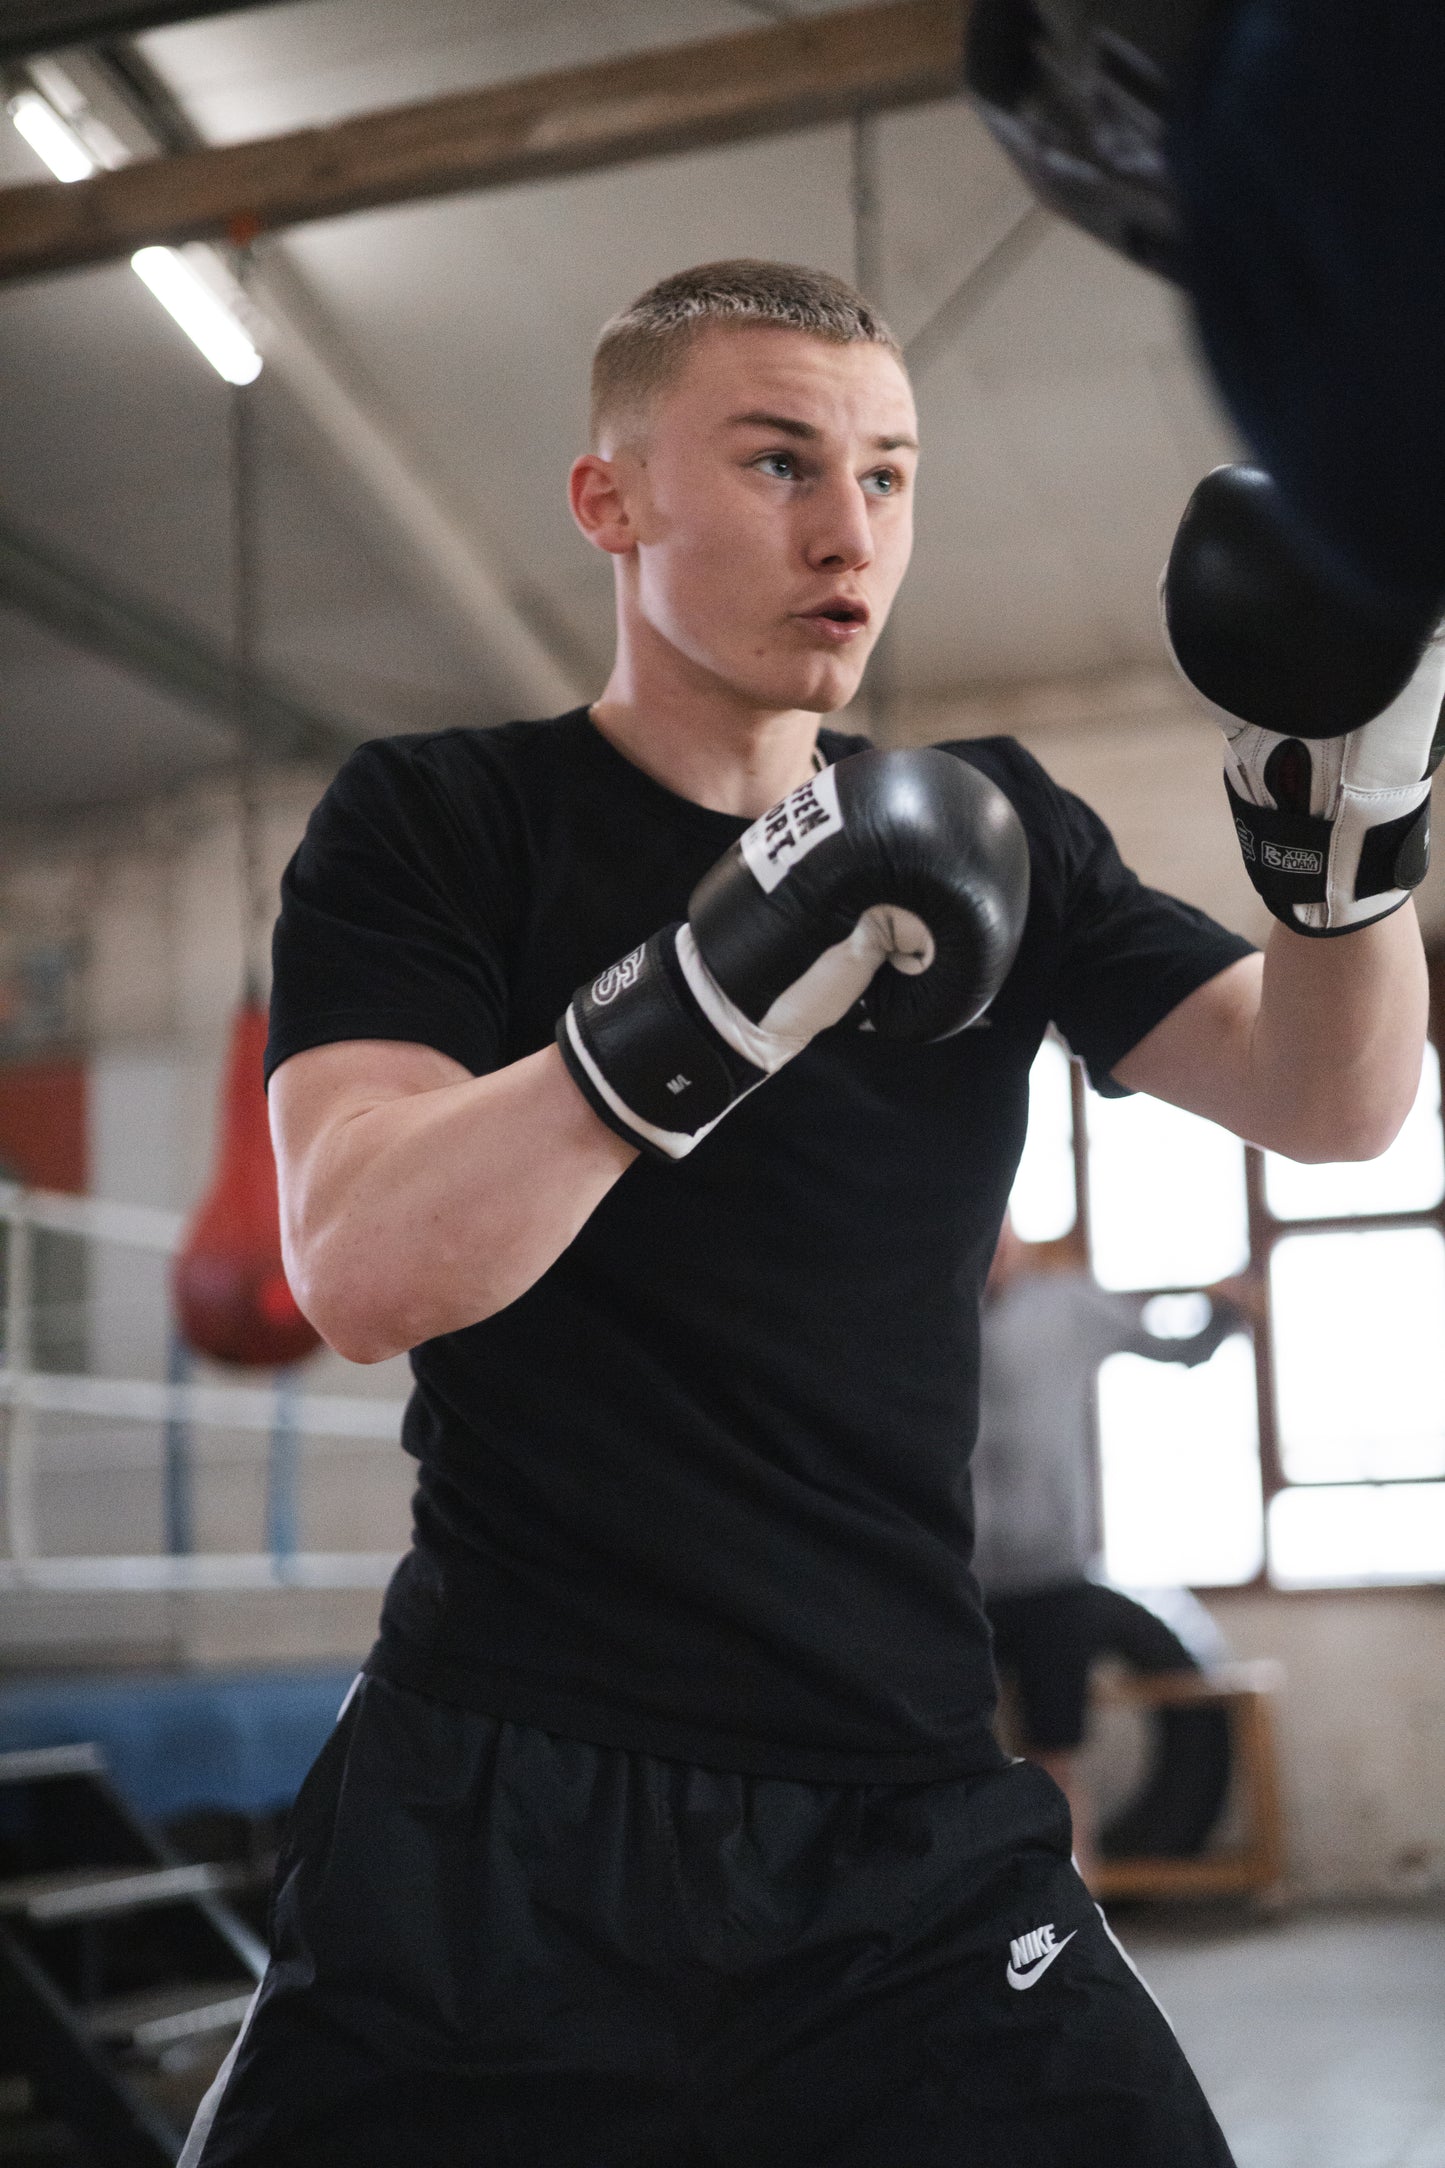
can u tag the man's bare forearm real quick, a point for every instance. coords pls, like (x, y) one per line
(1312, 1049)
(420, 1211)
(1336, 1048)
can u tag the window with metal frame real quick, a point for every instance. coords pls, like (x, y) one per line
(1310, 1452)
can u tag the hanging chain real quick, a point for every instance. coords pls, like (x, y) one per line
(864, 203)
(866, 206)
(245, 571)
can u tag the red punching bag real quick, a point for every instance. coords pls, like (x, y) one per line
(228, 1285)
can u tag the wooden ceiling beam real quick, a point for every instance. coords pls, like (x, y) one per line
(576, 120)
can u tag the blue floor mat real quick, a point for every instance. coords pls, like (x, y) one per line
(177, 1744)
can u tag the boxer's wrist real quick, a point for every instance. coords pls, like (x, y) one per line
(646, 1055)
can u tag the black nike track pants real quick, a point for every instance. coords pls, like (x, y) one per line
(495, 1948)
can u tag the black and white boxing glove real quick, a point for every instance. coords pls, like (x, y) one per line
(910, 860)
(1332, 720)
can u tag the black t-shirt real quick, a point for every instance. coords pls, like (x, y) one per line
(702, 1491)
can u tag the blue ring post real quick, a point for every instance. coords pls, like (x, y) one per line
(180, 1469)
(281, 1472)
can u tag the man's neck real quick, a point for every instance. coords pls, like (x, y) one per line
(742, 772)
(702, 741)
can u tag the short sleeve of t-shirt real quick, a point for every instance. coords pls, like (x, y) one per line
(395, 916)
(1123, 954)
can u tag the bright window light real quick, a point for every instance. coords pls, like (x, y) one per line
(1359, 1340)
(1043, 1204)
(1357, 1533)
(1180, 1457)
(1410, 1177)
(201, 314)
(1166, 1195)
(47, 135)
(1176, 1317)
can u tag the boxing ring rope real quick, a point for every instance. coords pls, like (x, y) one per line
(175, 1406)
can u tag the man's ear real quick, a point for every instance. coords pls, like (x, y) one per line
(599, 504)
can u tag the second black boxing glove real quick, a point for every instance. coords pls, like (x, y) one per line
(908, 859)
(1332, 721)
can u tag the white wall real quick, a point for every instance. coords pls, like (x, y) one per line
(1361, 1732)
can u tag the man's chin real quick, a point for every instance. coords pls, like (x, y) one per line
(815, 691)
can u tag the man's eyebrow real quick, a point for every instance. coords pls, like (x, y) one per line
(783, 423)
(788, 426)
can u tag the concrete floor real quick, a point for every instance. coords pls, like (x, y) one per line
(1318, 2036)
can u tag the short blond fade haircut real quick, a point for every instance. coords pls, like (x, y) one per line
(643, 348)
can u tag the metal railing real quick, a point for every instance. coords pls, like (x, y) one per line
(173, 1410)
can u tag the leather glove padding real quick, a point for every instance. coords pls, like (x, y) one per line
(1335, 832)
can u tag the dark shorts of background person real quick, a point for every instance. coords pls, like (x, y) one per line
(506, 1949)
(1045, 1640)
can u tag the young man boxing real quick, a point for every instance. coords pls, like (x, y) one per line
(657, 1075)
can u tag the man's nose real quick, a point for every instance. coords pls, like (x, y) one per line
(841, 533)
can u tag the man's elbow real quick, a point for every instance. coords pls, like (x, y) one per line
(367, 1307)
(347, 1304)
(1373, 1138)
(350, 1327)
(354, 1343)
(1342, 1134)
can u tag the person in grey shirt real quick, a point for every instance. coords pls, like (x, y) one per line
(1038, 1526)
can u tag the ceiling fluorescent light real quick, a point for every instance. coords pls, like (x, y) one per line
(200, 311)
(47, 134)
(201, 314)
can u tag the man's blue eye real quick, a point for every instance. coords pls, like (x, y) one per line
(778, 459)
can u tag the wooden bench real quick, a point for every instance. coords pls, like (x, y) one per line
(1256, 1864)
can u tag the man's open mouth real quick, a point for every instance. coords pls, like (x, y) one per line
(840, 613)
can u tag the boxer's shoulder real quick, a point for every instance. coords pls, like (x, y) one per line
(467, 781)
(1058, 825)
